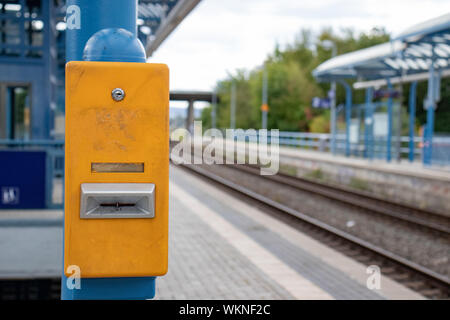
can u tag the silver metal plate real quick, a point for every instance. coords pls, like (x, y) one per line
(117, 200)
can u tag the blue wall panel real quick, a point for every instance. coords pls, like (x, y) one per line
(22, 179)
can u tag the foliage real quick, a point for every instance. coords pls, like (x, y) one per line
(292, 86)
(320, 123)
(442, 115)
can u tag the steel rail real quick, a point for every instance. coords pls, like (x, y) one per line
(359, 199)
(437, 278)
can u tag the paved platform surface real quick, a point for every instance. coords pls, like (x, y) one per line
(297, 265)
(220, 248)
(30, 244)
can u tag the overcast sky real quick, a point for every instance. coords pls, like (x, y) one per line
(219, 36)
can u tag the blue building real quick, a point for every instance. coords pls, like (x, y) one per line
(32, 64)
(32, 59)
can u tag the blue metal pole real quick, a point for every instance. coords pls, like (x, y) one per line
(348, 113)
(213, 109)
(372, 126)
(368, 121)
(86, 17)
(233, 106)
(264, 98)
(105, 30)
(389, 128)
(48, 59)
(333, 118)
(412, 117)
(358, 117)
(430, 106)
(429, 135)
(9, 111)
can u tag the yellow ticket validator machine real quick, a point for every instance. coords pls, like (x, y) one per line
(116, 169)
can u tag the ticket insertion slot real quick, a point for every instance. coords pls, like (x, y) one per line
(117, 167)
(117, 200)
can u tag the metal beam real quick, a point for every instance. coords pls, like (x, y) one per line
(206, 96)
(405, 79)
(176, 15)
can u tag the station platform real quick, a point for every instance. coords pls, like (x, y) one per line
(409, 183)
(219, 248)
(403, 167)
(404, 182)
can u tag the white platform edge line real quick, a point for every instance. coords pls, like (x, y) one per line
(390, 289)
(278, 271)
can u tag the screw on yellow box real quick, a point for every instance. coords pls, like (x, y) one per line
(116, 169)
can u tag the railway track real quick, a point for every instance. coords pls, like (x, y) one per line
(413, 275)
(371, 204)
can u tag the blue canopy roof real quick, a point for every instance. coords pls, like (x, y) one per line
(409, 53)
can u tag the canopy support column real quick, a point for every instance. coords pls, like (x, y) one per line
(368, 124)
(430, 105)
(190, 116)
(348, 113)
(333, 118)
(412, 117)
(389, 126)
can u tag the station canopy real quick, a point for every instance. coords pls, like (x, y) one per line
(407, 57)
(158, 18)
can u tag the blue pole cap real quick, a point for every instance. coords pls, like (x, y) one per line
(114, 44)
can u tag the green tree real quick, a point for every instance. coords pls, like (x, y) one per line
(292, 86)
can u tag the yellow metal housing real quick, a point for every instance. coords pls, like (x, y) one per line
(102, 130)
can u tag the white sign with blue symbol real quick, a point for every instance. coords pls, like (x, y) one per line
(10, 195)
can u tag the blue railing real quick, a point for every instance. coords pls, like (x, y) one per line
(311, 141)
(321, 142)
